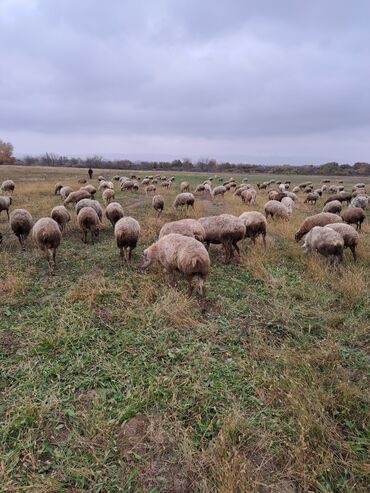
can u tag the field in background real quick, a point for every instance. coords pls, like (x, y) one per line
(114, 382)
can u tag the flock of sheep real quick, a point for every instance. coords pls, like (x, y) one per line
(182, 246)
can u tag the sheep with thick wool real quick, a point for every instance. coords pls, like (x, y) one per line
(186, 227)
(47, 236)
(21, 223)
(321, 219)
(326, 242)
(61, 215)
(114, 212)
(127, 232)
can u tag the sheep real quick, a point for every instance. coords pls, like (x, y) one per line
(114, 212)
(289, 204)
(199, 188)
(7, 186)
(341, 196)
(291, 195)
(82, 180)
(220, 190)
(282, 187)
(108, 195)
(88, 221)
(90, 188)
(359, 201)
(178, 253)
(296, 189)
(184, 199)
(158, 204)
(186, 227)
(61, 215)
(146, 181)
(64, 192)
(276, 209)
(150, 188)
(325, 241)
(5, 203)
(245, 180)
(101, 178)
(318, 191)
(47, 236)
(184, 186)
(57, 188)
(354, 215)
(106, 184)
(349, 235)
(325, 181)
(75, 197)
(21, 224)
(272, 194)
(359, 191)
(255, 225)
(320, 219)
(311, 198)
(248, 196)
(116, 177)
(90, 203)
(334, 206)
(224, 229)
(165, 184)
(126, 232)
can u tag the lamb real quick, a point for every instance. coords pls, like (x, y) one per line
(276, 209)
(158, 204)
(88, 221)
(359, 201)
(90, 188)
(61, 215)
(334, 206)
(126, 232)
(248, 196)
(5, 203)
(7, 186)
(354, 215)
(349, 235)
(184, 186)
(255, 225)
(311, 198)
(64, 192)
(220, 190)
(325, 241)
(226, 230)
(57, 188)
(150, 188)
(90, 203)
(21, 224)
(47, 236)
(321, 219)
(289, 204)
(186, 227)
(178, 253)
(108, 195)
(184, 199)
(74, 197)
(114, 212)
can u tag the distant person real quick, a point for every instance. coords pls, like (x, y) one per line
(90, 172)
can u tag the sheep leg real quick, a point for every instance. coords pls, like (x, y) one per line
(122, 257)
(264, 239)
(129, 254)
(92, 236)
(7, 211)
(353, 250)
(235, 245)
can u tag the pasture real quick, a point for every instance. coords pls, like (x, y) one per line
(114, 381)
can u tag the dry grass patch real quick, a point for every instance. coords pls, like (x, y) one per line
(176, 309)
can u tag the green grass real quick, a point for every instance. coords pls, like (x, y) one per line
(114, 382)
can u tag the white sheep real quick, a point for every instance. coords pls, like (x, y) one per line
(47, 236)
(21, 224)
(326, 241)
(127, 232)
(114, 212)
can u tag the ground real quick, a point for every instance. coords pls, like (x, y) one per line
(112, 381)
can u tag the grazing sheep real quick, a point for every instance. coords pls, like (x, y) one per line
(321, 219)
(61, 215)
(150, 189)
(90, 203)
(325, 241)
(311, 198)
(238, 191)
(7, 186)
(341, 196)
(57, 188)
(5, 203)
(21, 224)
(199, 188)
(75, 197)
(101, 178)
(296, 189)
(248, 196)
(165, 184)
(291, 195)
(334, 206)
(106, 184)
(47, 236)
(289, 204)
(282, 187)
(184, 199)
(158, 204)
(108, 196)
(116, 177)
(318, 191)
(349, 235)
(354, 215)
(64, 192)
(226, 230)
(114, 212)
(128, 185)
(178, 253)
(359, 201)
(88, 221)
(90, 188)
(186, 227)
(127, 232)
(184, 186)
(146, 181)
(82, 180)
(255, 225)
(220, 190)
(276, 210)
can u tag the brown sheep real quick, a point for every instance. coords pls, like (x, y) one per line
(21, 224)
(47, 236)
(321, 219)
(354, 215)
(74, 197)
(88, 221)
(61, 215)
(114, 212)
(158, 204)
(255, 225)
(126, 232)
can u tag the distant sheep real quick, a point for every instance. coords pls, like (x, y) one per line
(108, 196)
(321, 219)
(184, 186)
(311, 198)
(128, 185)
(334, 206)
(7, 186)
(47, 236)
(21, 224)
(255, 225)
(248, 196)
(325, 241)
(150, 189)
(126, 232)
(90, 188)
(5, 203)
(199, 188)
(349, 235)
(88, 222)
(57, 187)
(114, 212)
(359, 201)
(220, 190)
(64, 192)
(184, 199)
(276, 210)
(158, 204)
(186, 227)
(354, 215)
(74, 197)
(341, 196)
(82, 180)
(61, 215)
(289, 204)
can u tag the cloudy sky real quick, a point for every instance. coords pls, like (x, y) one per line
(259, 81)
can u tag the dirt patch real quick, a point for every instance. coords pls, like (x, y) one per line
(86, 398)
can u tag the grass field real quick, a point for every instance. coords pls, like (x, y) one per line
(112, 381)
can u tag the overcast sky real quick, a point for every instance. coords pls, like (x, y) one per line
(258, 81)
